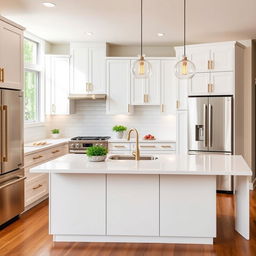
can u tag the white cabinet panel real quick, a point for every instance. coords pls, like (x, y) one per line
(138, 90)
(168, 86)
(182, 94)
(79, 201)
(184, 215)
(222, 83)
(11, 56)
(200, 57)
(199, 84)
(133, 205)
(118, 87)
(182, 132)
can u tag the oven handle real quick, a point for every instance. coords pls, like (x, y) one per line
(19, 178)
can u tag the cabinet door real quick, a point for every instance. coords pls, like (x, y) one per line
(168, 87)
(182, 132)
(79, 69)
(133, 205)
(97, 78)
(153, 84)
(199, 84)
(223, 58)
(78, 204)
(118, 87)
(11, 56)
(200, 57)
(182, 94)
(222, 83)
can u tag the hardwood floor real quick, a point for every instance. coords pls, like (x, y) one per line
(29, 237)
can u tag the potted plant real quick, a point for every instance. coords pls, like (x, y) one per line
(97, 153)
(55, 133)
(119, 129)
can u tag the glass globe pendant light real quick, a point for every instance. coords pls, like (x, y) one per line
(141, 68)
(185, 68)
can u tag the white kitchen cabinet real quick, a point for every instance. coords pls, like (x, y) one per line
(199, 84)
(57, 76)
(133, 205)
(11, 56)
(182, 132)
(182, 94)
(87, 194)
(147, 91)
(118, 87)
(168, 86)
(88, 68)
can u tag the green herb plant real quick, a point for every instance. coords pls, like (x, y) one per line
(96, 151)
(55, 131)
(119, 128)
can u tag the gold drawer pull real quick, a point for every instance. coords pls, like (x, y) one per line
(56, 151)
(37, 157)
(177, 104)
(37, 187)
(212, 64)
(145, 98)
(119, 146)
(166, 146)
(1, 75)
(147, 146)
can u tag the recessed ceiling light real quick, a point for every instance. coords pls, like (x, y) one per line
(160, 34)
(89, 33)
(48, 4)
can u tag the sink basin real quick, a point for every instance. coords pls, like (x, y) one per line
(129, 157)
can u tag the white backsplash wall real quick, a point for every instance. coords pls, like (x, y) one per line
(90, 118)
(35, 133)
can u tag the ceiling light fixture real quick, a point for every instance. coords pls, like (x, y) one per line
(48, 4)
(160, 34)
(89, 33)
(141, 68)
(185, 68)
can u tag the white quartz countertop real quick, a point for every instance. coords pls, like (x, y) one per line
(31, 147)
(165, 164)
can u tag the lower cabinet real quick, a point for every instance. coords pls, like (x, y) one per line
(133, 205)
(79, 204)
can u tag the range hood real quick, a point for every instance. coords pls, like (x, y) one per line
(87, 96)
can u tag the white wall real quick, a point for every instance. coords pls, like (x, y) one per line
(91, 119)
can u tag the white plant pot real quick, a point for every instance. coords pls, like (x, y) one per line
(97, 158)
(119, 135)
(55, 135)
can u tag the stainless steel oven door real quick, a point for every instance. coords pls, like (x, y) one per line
(11, 195)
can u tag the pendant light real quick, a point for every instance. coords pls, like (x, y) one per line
(141, 68)
(185, 68)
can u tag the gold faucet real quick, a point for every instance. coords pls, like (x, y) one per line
(137, 152)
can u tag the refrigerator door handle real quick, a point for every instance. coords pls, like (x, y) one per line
(210, 125)
(5, 137)
(205, 126)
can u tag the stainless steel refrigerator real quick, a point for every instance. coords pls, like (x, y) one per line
(210, 125)
(11, 155)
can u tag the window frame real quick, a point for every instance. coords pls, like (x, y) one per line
(38, 67)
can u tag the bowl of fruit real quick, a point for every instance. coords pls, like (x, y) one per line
(149, 137)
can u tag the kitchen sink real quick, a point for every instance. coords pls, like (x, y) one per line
(129, 157)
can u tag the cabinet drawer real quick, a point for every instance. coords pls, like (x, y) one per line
(156, 146)
(36, 188)
(119, 146)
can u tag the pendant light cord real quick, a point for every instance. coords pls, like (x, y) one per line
(185, 27)
(141, 27)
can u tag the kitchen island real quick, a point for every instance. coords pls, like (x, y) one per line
(171, 199)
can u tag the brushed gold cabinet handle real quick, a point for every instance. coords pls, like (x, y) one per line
(37, 187)
(37, 157)
(147, 146)
(177, 104)
(212, 64)
(56, 151)
(145, 98)
(209, 87)
(166, 146)
(128, 108)
(4, 108)
(212, 87)
(1, 75)
(119, 146)
(162, 108)
(209, 64)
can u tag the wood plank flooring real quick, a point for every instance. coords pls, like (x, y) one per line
(29, 237)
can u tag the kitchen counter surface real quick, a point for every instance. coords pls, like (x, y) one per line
(30, 148)
(165, 164)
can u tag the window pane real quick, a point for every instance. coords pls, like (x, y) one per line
(30, 52)
(31, 99)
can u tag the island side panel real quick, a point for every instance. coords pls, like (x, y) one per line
(242, 206)
(77, 204)
(132, 205)
(187, 206)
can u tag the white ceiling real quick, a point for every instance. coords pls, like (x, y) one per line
(117, 21)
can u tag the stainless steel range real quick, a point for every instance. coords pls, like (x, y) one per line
(80, 144)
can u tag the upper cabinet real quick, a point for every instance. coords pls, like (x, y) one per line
(118, 86)
(57, 85)
(88, 68)
(147, 91)
(11, 56)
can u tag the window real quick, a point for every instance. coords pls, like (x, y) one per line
(32, 81)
